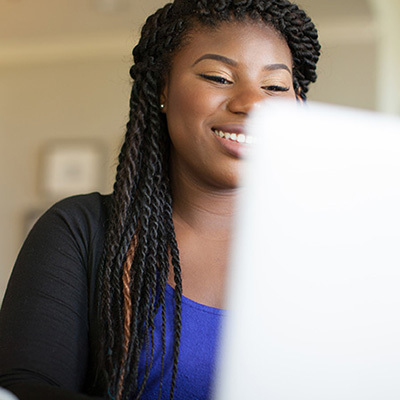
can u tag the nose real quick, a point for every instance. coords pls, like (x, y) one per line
(243, 99)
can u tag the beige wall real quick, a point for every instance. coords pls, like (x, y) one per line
(77, 86)
(387, 13)
(75, 99)
(64, 75)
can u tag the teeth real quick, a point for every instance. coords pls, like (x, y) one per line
(241, 138)
(235, 137)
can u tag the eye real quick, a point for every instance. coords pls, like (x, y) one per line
(276, 88)
(216, 78)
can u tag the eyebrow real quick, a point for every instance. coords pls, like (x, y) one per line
(217, 57)
(233, 63)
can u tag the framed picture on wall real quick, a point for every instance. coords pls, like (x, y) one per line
(71, 167)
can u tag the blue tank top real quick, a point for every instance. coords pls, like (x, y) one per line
(197, 354)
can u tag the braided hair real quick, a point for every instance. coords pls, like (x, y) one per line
(140, 243)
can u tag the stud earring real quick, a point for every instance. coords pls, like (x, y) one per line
(162, 106)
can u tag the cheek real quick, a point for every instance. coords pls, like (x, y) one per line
(192, 103)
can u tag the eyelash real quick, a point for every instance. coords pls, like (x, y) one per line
(224, 81)
(216, 78)
(276, 88)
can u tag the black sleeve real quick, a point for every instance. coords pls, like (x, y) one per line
(44, 322)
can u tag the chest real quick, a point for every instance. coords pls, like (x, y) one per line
(200, 331)
(204, 263)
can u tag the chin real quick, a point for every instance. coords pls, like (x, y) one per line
(230, 181)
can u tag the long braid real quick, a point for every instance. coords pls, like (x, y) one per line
(126, 281)
(140, 242)
(178, 298)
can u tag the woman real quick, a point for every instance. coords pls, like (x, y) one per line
(121, 296)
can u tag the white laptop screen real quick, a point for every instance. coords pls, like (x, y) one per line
(315, 291)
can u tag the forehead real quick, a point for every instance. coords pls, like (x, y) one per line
(237, 39)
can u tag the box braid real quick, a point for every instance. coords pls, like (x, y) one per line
(140, 240)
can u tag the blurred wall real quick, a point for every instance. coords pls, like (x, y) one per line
(64, 75)
(74, 99)
(387, 14)
(347, 70)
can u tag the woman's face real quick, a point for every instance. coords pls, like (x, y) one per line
(214, 82)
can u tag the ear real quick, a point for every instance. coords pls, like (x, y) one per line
(164, 97)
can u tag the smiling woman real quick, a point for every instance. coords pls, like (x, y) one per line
(122, 296)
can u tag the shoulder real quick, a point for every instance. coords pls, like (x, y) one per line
(72, 226)
(81, 214)
(89, 208)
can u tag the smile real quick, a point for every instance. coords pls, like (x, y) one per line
(234, 137)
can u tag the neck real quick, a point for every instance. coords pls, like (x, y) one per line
(207, 211)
